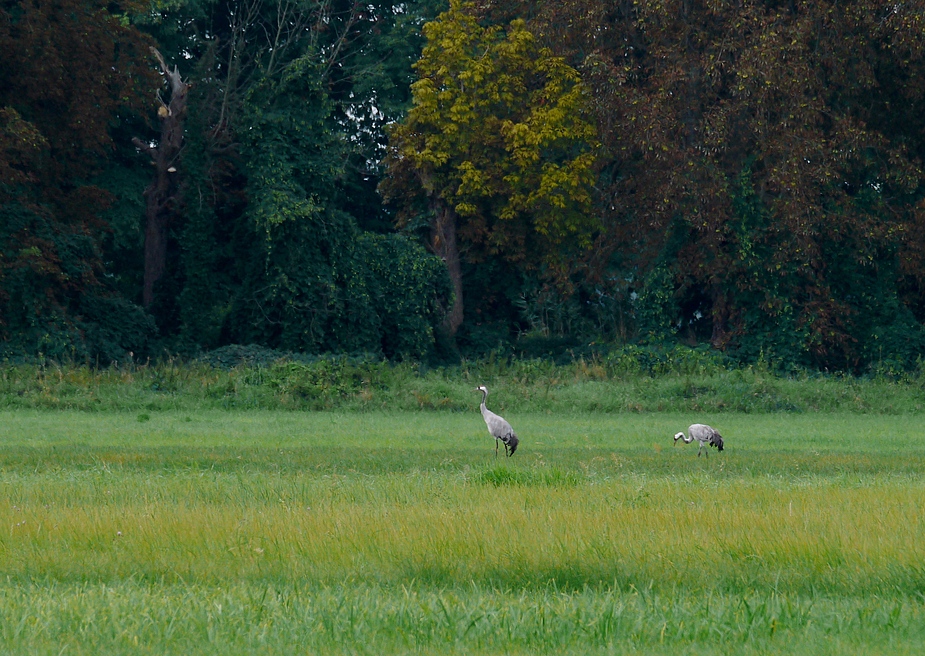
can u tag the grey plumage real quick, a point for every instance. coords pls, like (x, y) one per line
(498, 426)
(706, 435)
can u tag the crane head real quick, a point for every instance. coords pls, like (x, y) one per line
(482, 388)
(678, 436)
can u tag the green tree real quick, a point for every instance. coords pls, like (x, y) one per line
(305, 289)
(317, 283)
(497, 151)
(278, 175)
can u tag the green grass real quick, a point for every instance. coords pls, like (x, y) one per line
(399, 532)
(357, 618)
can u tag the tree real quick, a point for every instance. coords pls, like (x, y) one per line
(162, 194)
(323, 75)
(316, 282)
(73, 74)
(755, 154)
(496, 151)
(304, 290)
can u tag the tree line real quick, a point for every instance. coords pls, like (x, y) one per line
(426, 178)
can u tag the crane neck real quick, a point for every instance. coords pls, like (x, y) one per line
(687, 439)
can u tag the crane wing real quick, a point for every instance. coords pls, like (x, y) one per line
(497, 426)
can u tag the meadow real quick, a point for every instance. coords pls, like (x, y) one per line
(279, 510)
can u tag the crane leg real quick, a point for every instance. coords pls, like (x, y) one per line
(496, 447)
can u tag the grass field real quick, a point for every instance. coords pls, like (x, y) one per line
(209, 531)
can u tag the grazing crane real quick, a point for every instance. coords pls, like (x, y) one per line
(703, 434)
(498, 426)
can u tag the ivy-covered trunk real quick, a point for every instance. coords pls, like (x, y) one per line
(720, 337)
(446, 248)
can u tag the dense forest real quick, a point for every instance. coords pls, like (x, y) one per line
(424, 179)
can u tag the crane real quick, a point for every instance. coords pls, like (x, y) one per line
(498, 426)
(706, 435)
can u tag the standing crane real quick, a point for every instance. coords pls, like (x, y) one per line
(703, 434)
(498, 426)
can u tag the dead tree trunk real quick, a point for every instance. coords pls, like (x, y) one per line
(161, 196)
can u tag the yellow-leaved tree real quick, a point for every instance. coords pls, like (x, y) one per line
(497, 151)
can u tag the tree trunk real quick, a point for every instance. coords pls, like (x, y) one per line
(720, 335)
(161, 196)
(444, 245)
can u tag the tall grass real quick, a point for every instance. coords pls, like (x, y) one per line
(496, 527)
(682, 380)
(796, 503)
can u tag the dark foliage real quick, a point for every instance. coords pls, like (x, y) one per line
(758, 188)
